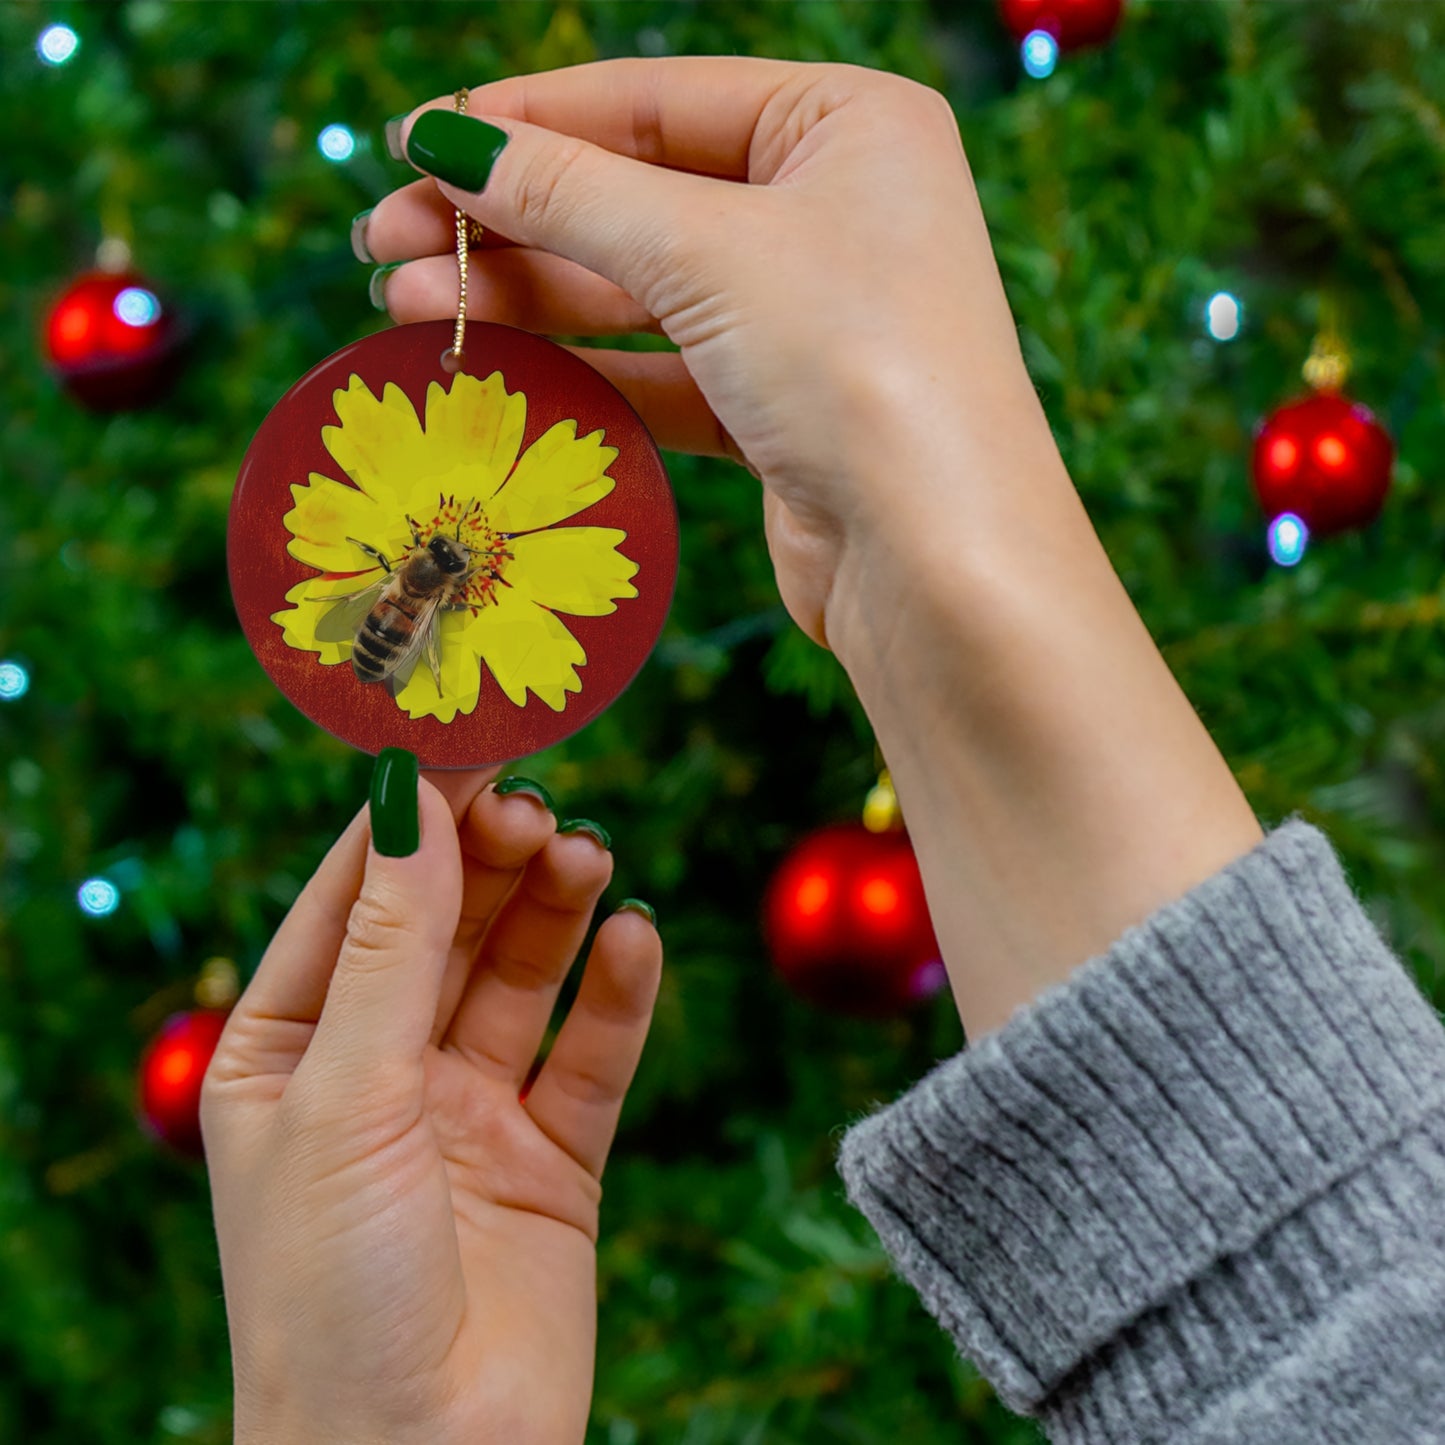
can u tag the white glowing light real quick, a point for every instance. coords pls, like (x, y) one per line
(1040, 52)
(14, 681)
(57, 44)
(1288, 537)
(336, 143)
(1223, 316)
(137, 307)
(98, 897)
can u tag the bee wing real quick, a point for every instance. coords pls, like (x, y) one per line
(343, 621)
(427, 618)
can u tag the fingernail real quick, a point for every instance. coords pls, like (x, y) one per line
(636, 905)
(359, 248)
(395, 820)
(392, 132)
(586, 825)
(376, 288)
(526, 785)
(455, 148)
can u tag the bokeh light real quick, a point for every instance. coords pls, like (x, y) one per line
(336, 143)
(1223, 316)
(1040, 52)
(14, 681)
(98, 897)
(1288, 537)
(137, 307)
(57, 44)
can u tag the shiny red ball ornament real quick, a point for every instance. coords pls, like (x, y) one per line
(1326, 459)
(847, 924)
(1073, 23)
(112, 341)
(171, 1071)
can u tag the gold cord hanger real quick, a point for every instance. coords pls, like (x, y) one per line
(467, 230)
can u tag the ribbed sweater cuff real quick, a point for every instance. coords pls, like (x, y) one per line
(1145, 1164)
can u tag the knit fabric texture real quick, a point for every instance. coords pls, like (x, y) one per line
(1196, 1192)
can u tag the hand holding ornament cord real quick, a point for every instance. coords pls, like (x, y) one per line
(920, 519)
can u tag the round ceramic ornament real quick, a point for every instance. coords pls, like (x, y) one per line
(457, 540)
(468, 563)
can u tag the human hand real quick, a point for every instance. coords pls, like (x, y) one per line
(845, 298)
(408, 1247)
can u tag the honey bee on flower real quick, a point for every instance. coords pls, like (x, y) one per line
(443, 545)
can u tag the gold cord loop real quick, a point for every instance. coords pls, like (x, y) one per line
(467, 230)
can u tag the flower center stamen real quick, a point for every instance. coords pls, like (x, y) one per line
(464, 521)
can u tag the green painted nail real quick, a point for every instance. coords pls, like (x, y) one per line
(526, 785)
(636, 905)
(455, 148)
(359, 248)
(395, 824)
(376, 288)
(392, 132)
(586, 825)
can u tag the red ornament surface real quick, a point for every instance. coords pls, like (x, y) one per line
(557, 385)
(171, 1072)
(111, 340)
(1324, 458)
(847, 924)
(1073, 23)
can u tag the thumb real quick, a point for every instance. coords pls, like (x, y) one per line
(382, 999)
(634, 224)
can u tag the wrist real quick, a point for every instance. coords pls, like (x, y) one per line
(1057, 784)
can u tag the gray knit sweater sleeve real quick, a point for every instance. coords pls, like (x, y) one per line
(1195, 1193)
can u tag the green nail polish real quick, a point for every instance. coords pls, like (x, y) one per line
(455, 148)
(636, 905)
(395, 824)
(392, 132)
(376, 288)
(586, 825)
(528, 786)
(359, 248)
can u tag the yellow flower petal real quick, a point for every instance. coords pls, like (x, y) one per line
(558, 475)
(298, 623)
(527, 648)
(461, 671)
(473, 434)
(378, 444)
(572, 569)
(327, 513)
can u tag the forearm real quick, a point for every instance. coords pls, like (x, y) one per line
(1056, 782)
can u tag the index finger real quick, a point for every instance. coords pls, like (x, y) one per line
(695, 113)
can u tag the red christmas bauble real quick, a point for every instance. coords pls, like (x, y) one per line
(1073, 23)
(847, 923)
(112, 341)
(171, 1071)
(1324, 458)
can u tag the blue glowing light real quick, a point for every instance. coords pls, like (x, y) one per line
(14, 681)
(57, 44)
(336, 143)
(1288, 537)
(98, 897)
(1040, 52)
(137, 307)
(1223, 316)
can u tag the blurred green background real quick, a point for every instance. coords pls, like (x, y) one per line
(1287, 153)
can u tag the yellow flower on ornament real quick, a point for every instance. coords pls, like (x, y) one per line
(459, 476)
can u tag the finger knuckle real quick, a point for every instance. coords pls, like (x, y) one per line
(542, 188)
(374, 933)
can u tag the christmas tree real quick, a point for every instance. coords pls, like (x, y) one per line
(161, 803)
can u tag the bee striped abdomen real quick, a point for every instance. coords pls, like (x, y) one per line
(381, 638)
